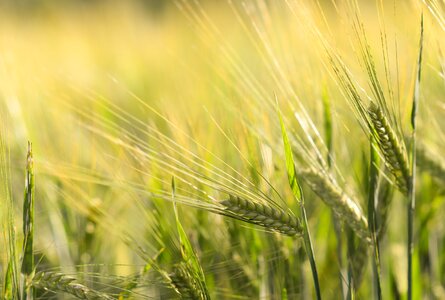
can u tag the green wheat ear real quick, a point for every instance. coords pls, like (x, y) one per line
(60, 283)
(391, 148)
(348, 210)
(186, 283)
(274, 219)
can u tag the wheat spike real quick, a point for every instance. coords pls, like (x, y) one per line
(341, 204)
(58, 282)
(185, 284)
(391, 148)
(263, 215)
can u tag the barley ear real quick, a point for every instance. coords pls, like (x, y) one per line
(186, 284)
(343, 206)
(391, 148)
(274, 219)
(60, 283)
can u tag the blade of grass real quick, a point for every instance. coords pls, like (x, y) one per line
(8, 287)
(298, 194)
(412, 191)
(372, 197)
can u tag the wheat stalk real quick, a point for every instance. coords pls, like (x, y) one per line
(342, 205)
(391, 148)
(263, 215)
(58, 282)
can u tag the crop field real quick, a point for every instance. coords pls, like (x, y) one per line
(204, 149)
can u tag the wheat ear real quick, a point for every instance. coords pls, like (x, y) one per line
(342, 205)
(58, 282)
(186, 284)
(263, 215)
(391, 148)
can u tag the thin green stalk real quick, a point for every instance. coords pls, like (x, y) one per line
(310, 250)
(412, 190)
(373, 179)
(27, 269)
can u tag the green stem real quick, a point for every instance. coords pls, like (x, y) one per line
(373, 179)
(412, 181)
(310, 251)
(27, 268)
(411, 211)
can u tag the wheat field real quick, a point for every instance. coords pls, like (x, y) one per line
(201, 149)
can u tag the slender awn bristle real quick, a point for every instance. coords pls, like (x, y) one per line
(343, 206)
(57, 282)
(263, 215)
(395, 157)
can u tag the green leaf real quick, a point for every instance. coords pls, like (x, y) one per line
(290, 164)
(417, 84)
(8, 289)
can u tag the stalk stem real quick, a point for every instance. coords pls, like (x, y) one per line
(310, 251)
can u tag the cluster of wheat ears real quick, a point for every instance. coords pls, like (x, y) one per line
(156, 206)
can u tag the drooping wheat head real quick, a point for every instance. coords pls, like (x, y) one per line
(186, 284)
(391, 148)
(60, 283)
(274, 219)
(342, 205)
